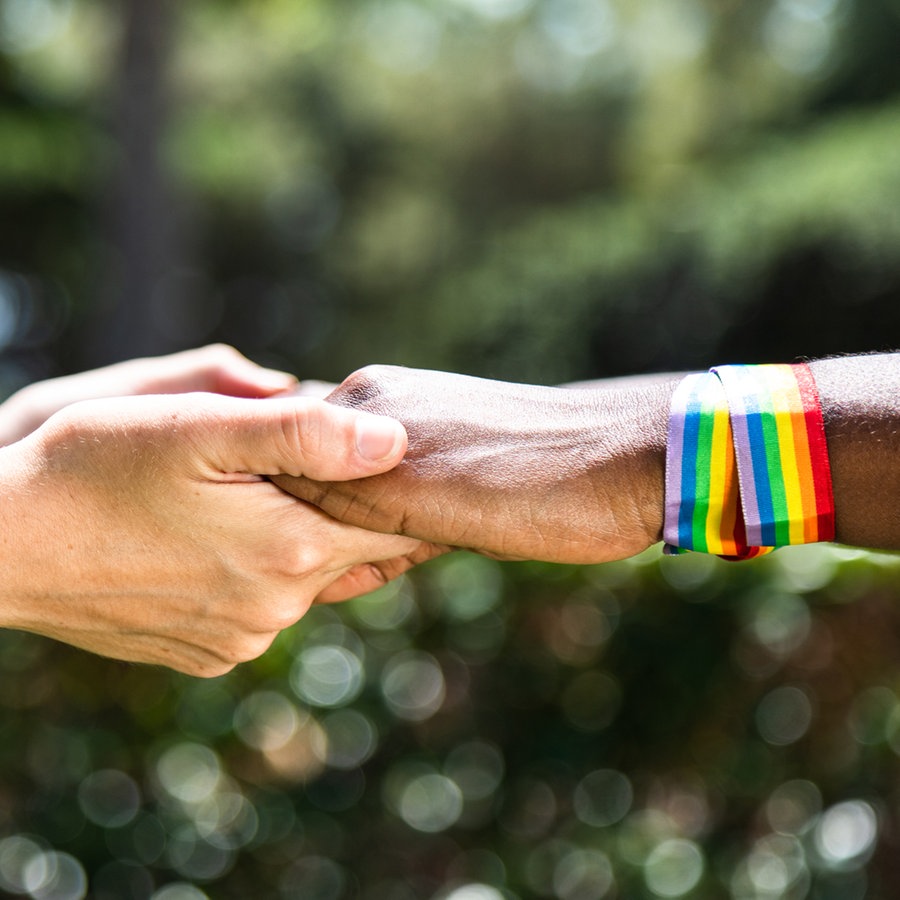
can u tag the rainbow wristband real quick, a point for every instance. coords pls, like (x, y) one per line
(747, 464)
(702, 495)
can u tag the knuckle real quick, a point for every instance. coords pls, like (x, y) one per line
(280, 615)
(220, 350)
(363, 387)
(219, 357)
(292, 432)
(304, 433)
(72, 427)
(64, 426)
(296, 560)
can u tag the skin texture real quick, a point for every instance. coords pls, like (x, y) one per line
(861, 406)
(513, 471)
(144, 528)
(517, 471)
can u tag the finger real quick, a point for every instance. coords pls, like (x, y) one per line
(375, 505)
(368, 577)
(305, 547)
(217, 369)
(301, 437)
(361, 579)
(328, 548)
(221, 369)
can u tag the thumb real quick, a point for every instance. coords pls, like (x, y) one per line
(303, 436)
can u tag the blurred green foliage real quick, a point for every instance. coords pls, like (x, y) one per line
(653, 728)
(531, 189)
(534, 189)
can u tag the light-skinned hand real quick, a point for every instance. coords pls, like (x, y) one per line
(145, 528)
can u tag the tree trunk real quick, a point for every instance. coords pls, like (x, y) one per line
(143, 243)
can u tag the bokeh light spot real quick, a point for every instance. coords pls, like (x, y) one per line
(266, 720)
(313, 878)
(603, 798)
(476, 767)
(776, 864)
(431, 802)
(471, 586)
(189, 772)
(845, 835)
(873, 715)
(26, 25)
(583, 875)
(806, 567)
(700, 569)
(792, 806)
(109, 798)
(674, 868)
(784, 715)
(780, 622)
(413, 685)
(799, 36)
(179, 890)
(327, 676)
(529, 809)
(16, 852)
(141, 842)
(226, 820)
(351, 738)
(388, 608)
(195, 858)
(55, 876)
(473, 892)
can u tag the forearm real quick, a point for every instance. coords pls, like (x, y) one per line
(861, 407)
(629, 470)
(860, 397)
(626, 382)
(577, 473)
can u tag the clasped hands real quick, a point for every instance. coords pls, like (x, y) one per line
(189, 530)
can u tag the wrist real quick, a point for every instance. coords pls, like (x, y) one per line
(629, 428)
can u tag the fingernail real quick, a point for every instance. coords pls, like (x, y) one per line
(378, 437)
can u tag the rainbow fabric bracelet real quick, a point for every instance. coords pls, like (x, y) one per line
(702, 494)
(747, 465)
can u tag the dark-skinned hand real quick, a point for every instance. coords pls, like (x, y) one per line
(512, 471)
